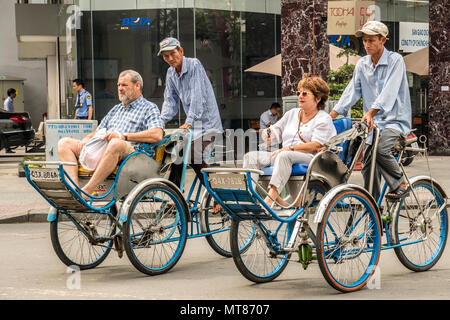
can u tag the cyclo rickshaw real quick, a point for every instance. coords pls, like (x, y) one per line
(330, 220)
(154, 220)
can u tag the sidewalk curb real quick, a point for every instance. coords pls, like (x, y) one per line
(31, 215)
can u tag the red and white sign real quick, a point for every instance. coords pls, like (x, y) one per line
(346, 17)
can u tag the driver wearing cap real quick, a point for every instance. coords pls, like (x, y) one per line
(186, 81)
(380, 79)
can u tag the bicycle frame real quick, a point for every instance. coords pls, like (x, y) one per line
(195, 230)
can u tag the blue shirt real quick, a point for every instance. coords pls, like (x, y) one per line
(265, 118)
(8, 104)
(195, 91)
(139, 115)
(383, 87)
(82, 103)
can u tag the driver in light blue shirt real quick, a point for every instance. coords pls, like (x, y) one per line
(186, 81)
(380, 79)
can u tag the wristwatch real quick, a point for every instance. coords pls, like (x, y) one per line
(291, 147)
(125, 136)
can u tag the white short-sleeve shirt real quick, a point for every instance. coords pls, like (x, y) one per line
(319, 129)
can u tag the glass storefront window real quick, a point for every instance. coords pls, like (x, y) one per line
(227, 39)
(218, 40)
(261, 41)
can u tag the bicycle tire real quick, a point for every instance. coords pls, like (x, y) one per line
(407, 221)
(73, 247)
(360, 240)
(155, 240)
(251, 253)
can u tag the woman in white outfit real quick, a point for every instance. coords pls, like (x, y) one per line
(302, 131)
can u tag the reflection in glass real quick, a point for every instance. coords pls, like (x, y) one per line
(226, 42)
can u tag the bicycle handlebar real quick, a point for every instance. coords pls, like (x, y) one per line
(410, 141)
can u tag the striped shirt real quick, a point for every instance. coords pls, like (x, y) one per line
(195, 91)
(140, 115)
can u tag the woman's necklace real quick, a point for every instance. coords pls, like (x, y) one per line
(299, 131)
(300, 116)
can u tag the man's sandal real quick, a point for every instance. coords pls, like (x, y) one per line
(398, 193)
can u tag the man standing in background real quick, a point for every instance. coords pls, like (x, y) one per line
(83, 103)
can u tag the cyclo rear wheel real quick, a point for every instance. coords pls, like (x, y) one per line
(424, 236)
(256, 245)
(252, 250)
(68, 234)
(155, 232)
(349, 241)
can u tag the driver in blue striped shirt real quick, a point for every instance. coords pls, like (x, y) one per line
(186, 81)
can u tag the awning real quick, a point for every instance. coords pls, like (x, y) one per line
(270, 66)
(336, 62)
(273, 65)
(417, 62)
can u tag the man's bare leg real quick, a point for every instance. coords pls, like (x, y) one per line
(106, 165)
(69, 151)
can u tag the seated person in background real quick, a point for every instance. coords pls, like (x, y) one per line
(302, 132)
(132, 122)
(270, 117)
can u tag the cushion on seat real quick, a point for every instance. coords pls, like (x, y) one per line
(300, 169)
(342, 125)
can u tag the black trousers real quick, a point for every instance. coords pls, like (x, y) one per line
(197, 154)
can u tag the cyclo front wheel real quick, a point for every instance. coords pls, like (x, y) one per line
(83, 239)
(421, 226)
(349, 241)
(256, 248)
(155, 232)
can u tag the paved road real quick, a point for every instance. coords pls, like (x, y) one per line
(31, 270)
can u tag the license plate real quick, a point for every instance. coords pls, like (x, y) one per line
(228, 181)
(44, 174)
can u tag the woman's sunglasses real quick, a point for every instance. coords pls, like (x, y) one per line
(303, 93)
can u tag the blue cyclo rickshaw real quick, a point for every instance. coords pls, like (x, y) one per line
(337, 223)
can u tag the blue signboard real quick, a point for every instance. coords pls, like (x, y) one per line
(135, 23)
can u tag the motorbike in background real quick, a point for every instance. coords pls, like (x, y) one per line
(408, 155)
